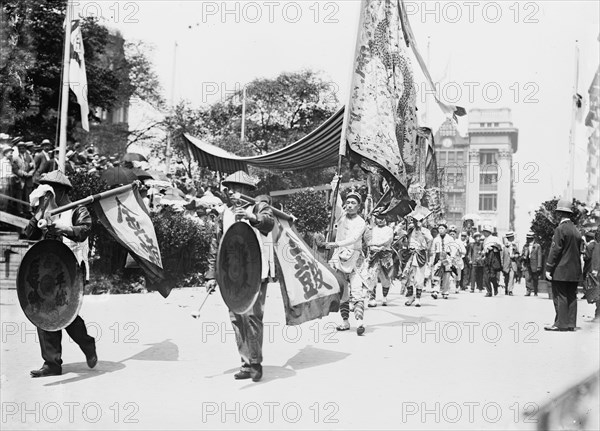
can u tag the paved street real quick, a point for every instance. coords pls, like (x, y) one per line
(465, 363)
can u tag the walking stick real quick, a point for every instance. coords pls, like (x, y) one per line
(196, 314)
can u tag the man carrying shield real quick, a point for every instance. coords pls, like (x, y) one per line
(72, 228)
(248, 326)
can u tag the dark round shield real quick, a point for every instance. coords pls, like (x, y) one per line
(239, 267)
(50, 285)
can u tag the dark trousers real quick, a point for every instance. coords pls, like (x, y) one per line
(25, 192)
(490, 280)
(248, 328)
(564, 296)
(50, 343)
(465, 277)
(533, 279)
(477, 277)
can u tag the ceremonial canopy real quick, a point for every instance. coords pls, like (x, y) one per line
(318, 149)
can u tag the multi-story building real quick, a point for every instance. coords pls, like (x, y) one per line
(478, 169)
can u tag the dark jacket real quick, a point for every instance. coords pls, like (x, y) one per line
(533, 261)
(42, 166)
(564, 259)
(81, 221)
(265, 223)
(592, 257)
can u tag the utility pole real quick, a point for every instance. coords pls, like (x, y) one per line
(573, 134)
(168, 150)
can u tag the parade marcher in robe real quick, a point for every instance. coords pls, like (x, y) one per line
(563, 268)
(72, 228)
(510, 253)
(492, 250)
(591, 273)
(465, 277)
(419, 243)
(477, 258)
(442, 262)
(248, 327)
(379, 263)
(461, 252)
(532, 262)
(348, 259)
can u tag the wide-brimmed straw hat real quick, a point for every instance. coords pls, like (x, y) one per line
(56, 178)
(240, 177)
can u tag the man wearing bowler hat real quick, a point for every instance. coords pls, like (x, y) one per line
(563, 268)
(248, 327)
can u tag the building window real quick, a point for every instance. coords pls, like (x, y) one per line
(451, 157)
(482, 124)
(485, 178)
(488, 202)
(460, 157)
(487, 158)
(496, 124)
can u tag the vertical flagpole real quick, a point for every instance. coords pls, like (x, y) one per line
(570, 185)
(168, 150)
(426, 114)
(64, 102)
(243, 137)
(363, 6)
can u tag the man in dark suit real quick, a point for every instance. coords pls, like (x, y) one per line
(44, 161)
(563, 268)
(25, 170)
(532, 259)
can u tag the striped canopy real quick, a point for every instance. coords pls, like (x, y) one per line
(318, 149)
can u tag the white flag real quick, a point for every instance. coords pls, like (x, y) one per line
(77, 75)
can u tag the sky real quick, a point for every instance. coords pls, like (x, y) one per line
(515, 54)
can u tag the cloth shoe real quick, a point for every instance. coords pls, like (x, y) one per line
(91, 360)
(372, 303)
(384, 302)
(256, 372)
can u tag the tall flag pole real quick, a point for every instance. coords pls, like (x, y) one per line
(335, 210)
(168, 151)
(574, 115)
(64, 103)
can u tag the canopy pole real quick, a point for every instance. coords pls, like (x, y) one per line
(64, 101)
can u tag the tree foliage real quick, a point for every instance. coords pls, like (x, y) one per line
(545, 222)
(310, 209)
(31, 46)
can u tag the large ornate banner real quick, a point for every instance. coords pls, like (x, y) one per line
(381, 126)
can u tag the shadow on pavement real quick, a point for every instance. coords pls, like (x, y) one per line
(163, 351)
(83, 372)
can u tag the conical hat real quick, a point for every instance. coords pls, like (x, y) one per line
(240, 177)
(56, 177)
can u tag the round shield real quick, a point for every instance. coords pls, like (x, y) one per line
(50, 285)
(239, 267)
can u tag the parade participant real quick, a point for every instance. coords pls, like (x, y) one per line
(591, 271)
(563, 268)
(419, 243)
(25, 169)
(248, 327)
(465, 276)
(532, 261)
(379, 263)
(44, 161)
(72, 228)
(458, 263)
(347, 259)
(492, 262)
(442, 261)
(477, 259)
(510, 253)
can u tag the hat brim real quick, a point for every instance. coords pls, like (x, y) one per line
(230, 183)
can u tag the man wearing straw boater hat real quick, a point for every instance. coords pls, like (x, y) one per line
(248, 326)
(563, 268)
(72, 227)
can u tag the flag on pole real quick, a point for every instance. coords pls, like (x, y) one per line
(381, 123)
(77, 74)
(310, 288)
(125, 217)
